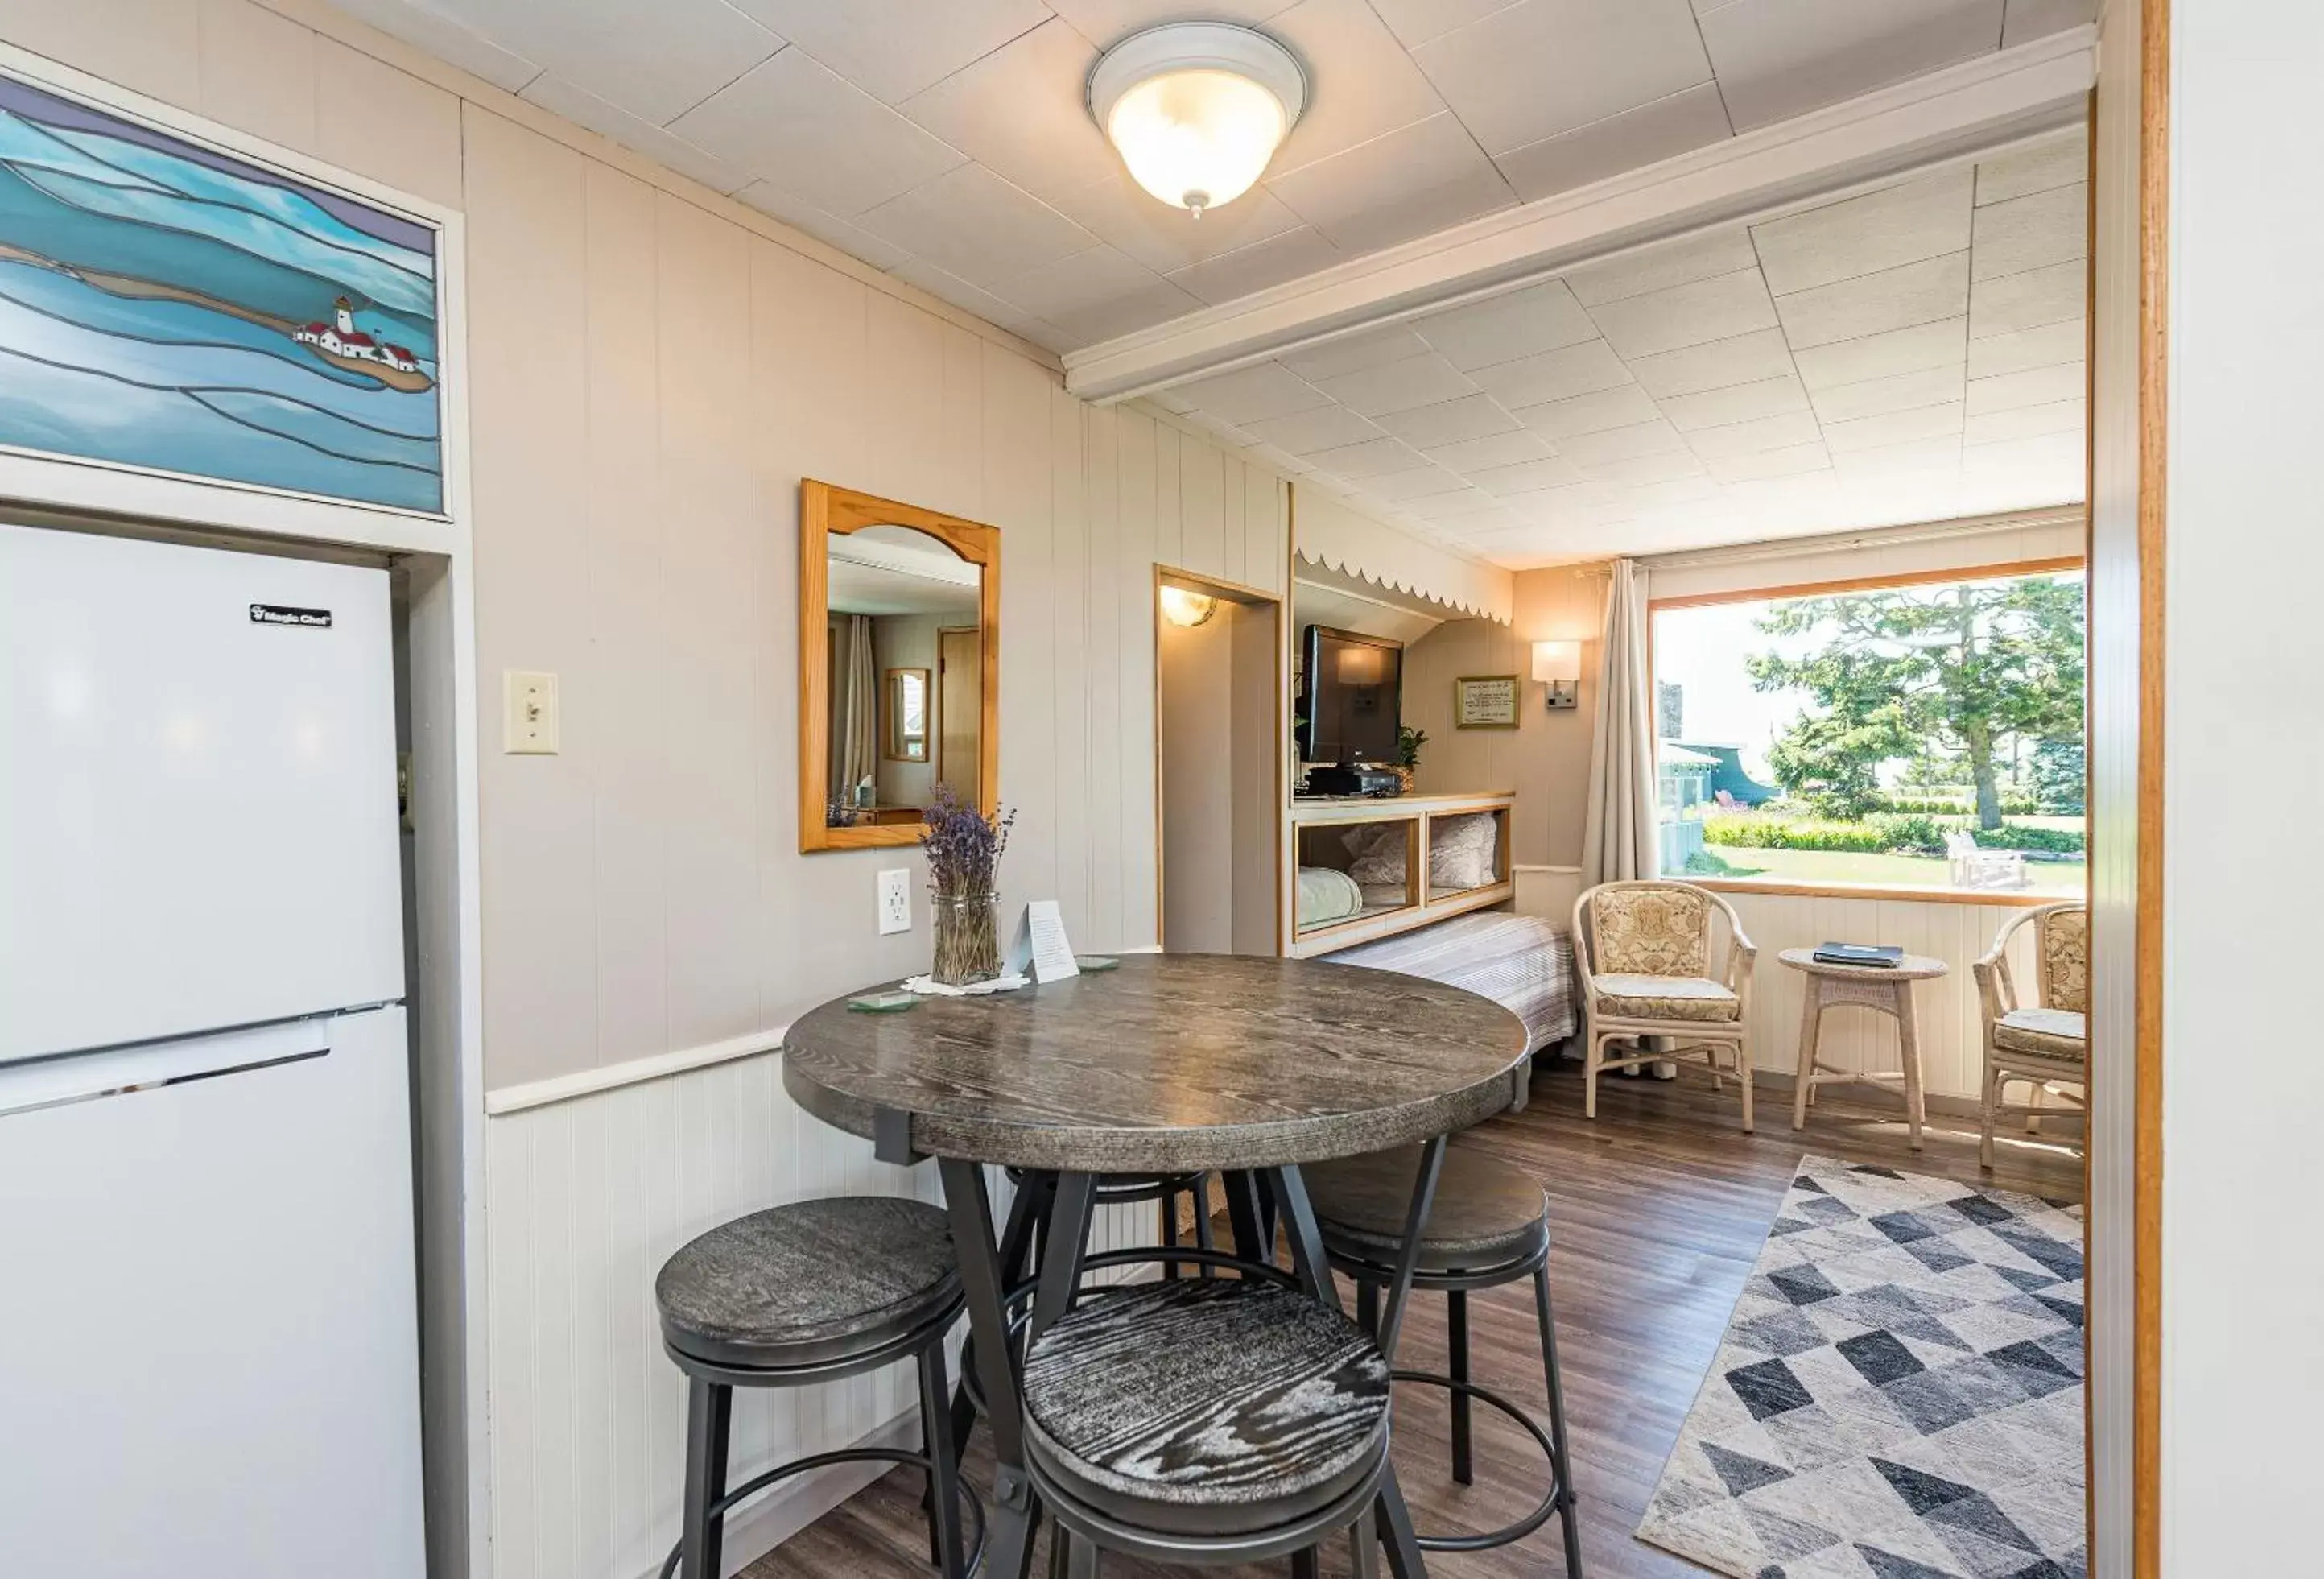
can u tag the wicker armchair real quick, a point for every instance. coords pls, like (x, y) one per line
(2047, 1041)
(1643, 951)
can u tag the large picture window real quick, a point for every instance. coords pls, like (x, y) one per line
(1921, 734)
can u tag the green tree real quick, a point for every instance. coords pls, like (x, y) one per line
(1907, 672)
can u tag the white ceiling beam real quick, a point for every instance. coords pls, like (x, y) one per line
(1945, 116)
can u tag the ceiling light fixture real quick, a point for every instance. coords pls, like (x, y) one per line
(1197, 108)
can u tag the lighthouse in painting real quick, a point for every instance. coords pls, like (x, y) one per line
(340, 338)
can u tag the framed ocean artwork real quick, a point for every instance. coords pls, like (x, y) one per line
(175, 308)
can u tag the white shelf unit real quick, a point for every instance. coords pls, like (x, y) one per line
(1309, 819)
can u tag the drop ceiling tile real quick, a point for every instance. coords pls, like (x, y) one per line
(1942, 454)
(1361, 82)
(1462, 501)
(1584, 61)
(1737, 402)
(2036, 348)
(652, 62)
(1894, 428)
(2030, 233)
(2032, 19)
(1261, 266)
(2062, 161)
(1662, 267)
(2050, 467)
(971, 223)
(2034, 386)
(1500, 450)
(1107, 21)
(1626, 405)
(2025, 422)
(2055, 294)
(1420, 484)
(1591, 450)
(893, 48)
(1714, 363)
(558, 97)
(1354, 353)
(1417, 381)
(1097, 293)
(1677, 491)
(1901, 391)
(428, 27)
(1942, 344)
(858, 243)
(1416, 22)
(1924, 218)
(1503, 328)
(975, 299)
(1873, 304)
(797, 125)
(1450, 421)
(1758, 464)
(1716, 309)
(1777, 432)
(1164, 237)
(1250, 395)
(1020, 110)
(1676, 123)
(1375, 458)
(1409, 183)
(1777, 58)
(1526, 476)
(1657, 466)
(1554, 375)
(1319, 428)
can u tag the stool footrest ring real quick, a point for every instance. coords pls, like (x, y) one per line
(799, 1467)
(1556, 1498)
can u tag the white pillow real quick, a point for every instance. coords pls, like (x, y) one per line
(1460, 850)
(1379, 852)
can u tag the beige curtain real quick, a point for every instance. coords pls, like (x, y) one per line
(1620, 838)
(854, 707)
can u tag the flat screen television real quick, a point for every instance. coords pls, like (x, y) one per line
(1352, 695)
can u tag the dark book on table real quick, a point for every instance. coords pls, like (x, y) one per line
(1885, 954)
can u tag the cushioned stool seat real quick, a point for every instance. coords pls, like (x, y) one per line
(1485, 1211)
(1209, 1408)
(808, 1283)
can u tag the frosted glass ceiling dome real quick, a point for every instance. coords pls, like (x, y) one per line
(1197, 108)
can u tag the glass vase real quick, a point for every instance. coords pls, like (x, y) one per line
(967, 939)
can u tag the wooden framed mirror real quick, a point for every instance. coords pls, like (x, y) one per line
(900, 666)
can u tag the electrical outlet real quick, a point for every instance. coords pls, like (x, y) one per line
(895, 901)
(529, 713)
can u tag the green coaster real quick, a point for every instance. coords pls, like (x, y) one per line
(889, 1002)
(1093, 963)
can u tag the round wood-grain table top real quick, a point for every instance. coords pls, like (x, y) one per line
(1169, 1063)
(1912, 967)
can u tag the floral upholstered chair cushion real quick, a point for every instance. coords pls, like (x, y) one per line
(1636, 997)
(1651, 931)
(2065, 944)
(2046, 1033)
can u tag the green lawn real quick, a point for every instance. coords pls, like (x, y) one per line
(2063, 878)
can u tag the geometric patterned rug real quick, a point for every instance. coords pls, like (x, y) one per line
(1898, 1394)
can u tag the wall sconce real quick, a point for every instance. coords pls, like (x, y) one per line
(1187, 609)
(1558, 665)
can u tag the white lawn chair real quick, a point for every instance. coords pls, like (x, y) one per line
(1974, 866)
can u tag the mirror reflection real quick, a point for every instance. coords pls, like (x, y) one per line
(907, 669)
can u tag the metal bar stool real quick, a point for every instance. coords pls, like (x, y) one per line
(803, 1294)
(1490, 1226)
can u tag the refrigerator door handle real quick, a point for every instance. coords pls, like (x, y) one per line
(33, 1085)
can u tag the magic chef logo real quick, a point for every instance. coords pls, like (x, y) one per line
(275, 614)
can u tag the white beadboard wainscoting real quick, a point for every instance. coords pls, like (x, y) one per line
(585, 1198)
(1952, 1048)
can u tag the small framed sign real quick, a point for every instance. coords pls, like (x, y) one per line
(1485, 701)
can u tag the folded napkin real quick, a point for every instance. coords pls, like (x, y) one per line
(928, 987)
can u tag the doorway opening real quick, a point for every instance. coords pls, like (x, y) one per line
(1219, 759)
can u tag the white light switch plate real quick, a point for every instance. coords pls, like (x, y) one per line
(895, 901)
(529, 713)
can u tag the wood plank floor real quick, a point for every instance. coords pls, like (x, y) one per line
(1658, 1210)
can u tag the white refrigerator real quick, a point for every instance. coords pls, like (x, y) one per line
(208, 1333)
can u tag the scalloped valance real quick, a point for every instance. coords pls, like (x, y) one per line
(1327, 531)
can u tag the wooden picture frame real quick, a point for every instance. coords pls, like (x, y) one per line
(1486, 701)
(828, 510)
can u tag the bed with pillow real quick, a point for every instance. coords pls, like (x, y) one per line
(1523, 963)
